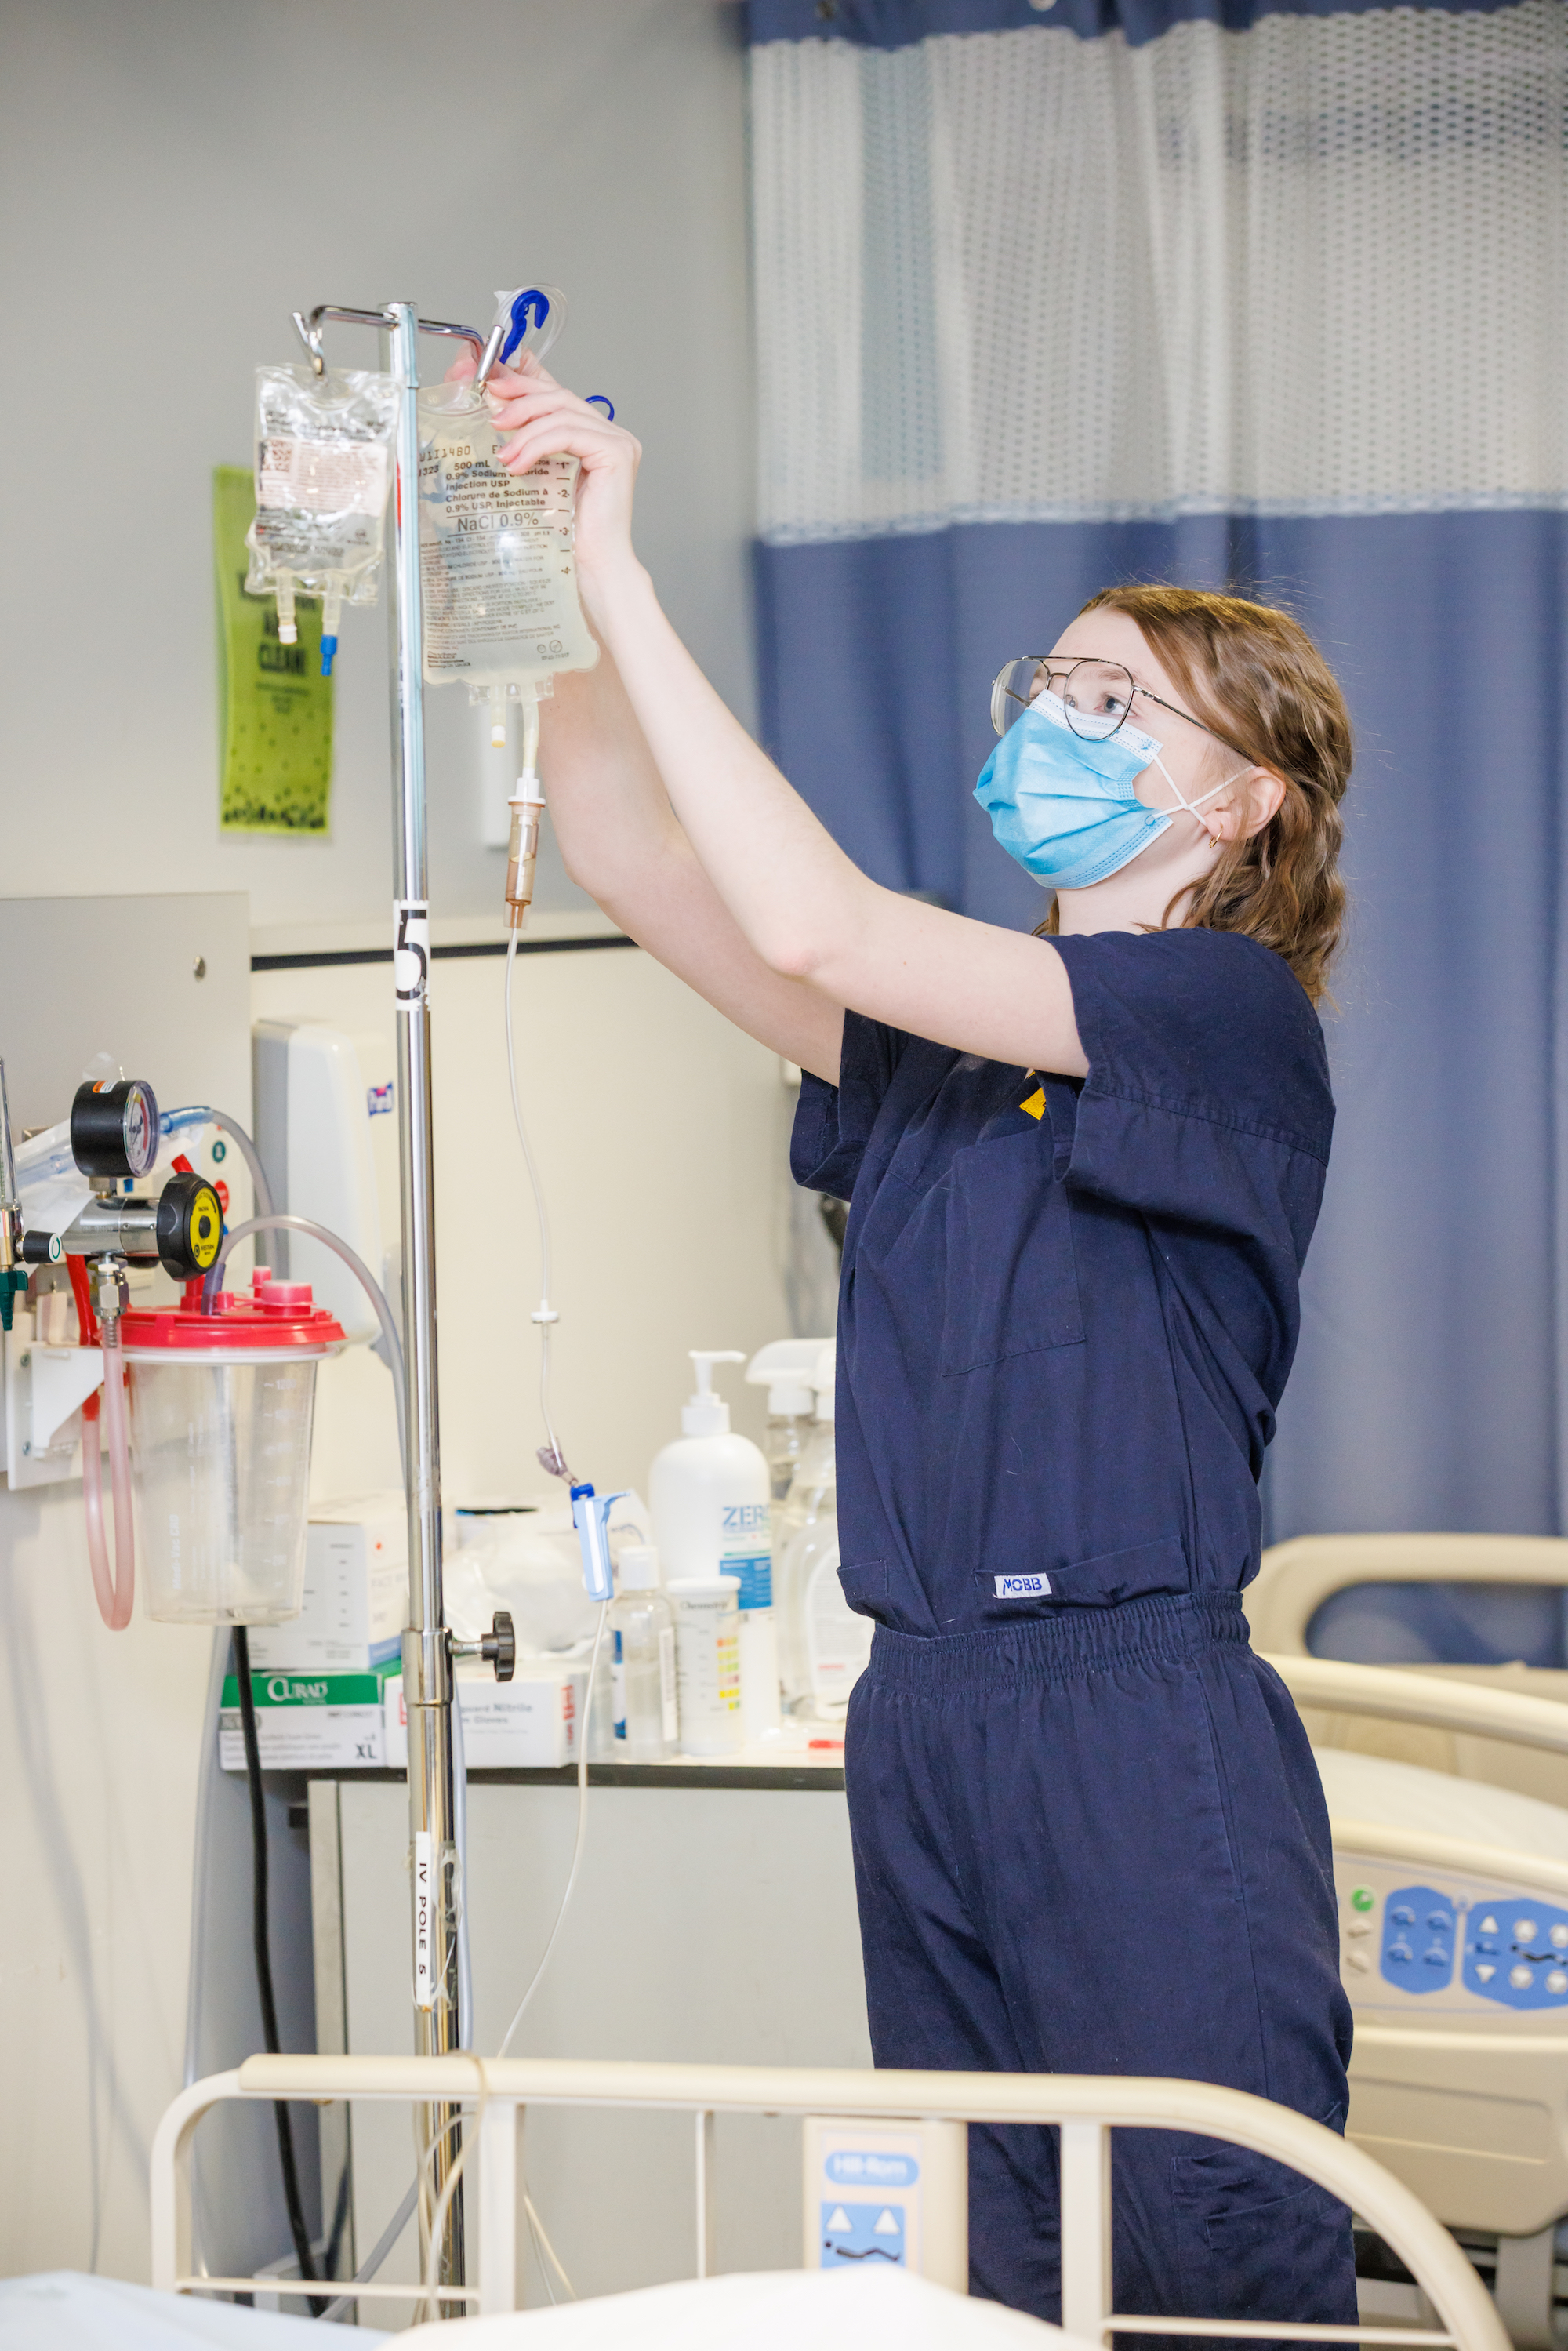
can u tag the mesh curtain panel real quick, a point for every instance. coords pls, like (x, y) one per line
(1273, 300)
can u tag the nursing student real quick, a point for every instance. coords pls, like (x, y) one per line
(1084, 1168)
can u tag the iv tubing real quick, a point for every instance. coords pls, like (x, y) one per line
(355, 1265)
(460, 1839)
(199, 1115)
(545, 1316)
(438, 2222)
(114, 1592)
(581, 1828)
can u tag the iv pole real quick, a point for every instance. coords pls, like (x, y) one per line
(427, 1645)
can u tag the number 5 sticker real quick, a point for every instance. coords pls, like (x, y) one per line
(411, 950)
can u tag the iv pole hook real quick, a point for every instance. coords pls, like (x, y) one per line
(309, 333)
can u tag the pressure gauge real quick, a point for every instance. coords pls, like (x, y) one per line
(114, 1128)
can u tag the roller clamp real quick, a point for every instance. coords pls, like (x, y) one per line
(590, 1517)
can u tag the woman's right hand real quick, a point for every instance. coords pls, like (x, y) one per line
(547, 421)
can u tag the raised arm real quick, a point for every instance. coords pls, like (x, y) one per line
(796, 903)
(622, 844)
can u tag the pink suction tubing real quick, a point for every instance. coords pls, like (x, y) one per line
(114, 1593)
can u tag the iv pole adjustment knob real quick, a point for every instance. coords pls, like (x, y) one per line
(499, 1646)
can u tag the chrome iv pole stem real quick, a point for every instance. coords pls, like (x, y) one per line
(426, 1662)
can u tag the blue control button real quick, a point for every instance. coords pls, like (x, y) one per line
(1515, 1955)
(1420, 1960)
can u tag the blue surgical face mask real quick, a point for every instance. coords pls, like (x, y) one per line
(1063, 804)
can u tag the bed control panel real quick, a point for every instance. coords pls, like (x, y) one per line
(1458, 1945)
(1418, 1938)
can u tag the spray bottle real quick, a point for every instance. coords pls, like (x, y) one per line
(710, 1495)
(784, 1368)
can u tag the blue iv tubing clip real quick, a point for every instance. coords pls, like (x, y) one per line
(530, 309)
(590, 1517)
(601, 400)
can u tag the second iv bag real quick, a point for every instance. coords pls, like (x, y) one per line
(496, 549)
(323, 465)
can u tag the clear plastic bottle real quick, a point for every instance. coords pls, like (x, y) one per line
(640, 1631)
(710, 1496)
(809, 1533)
(785, 1367)
(788, 1428)
(816, 1454)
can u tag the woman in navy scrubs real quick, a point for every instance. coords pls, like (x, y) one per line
(1083, 1170)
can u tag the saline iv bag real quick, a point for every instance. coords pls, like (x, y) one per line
(323, 467)
(498, 567)
(497, 563)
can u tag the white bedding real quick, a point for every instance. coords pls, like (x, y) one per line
(60, 2310)
(1437, 1804)
(780, 2310)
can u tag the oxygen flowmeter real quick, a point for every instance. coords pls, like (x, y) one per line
(111, 1138)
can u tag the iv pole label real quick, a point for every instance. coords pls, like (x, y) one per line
(424, 1922)
(411, 949)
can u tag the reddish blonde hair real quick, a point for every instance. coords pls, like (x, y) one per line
(1254, 675)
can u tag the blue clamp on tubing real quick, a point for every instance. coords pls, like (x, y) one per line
(328, 647)
(531, 309)
(590, 1517)
(601, 400)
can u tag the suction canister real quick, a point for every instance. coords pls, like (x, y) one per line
(221, 1408)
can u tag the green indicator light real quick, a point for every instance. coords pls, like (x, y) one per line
(1363, 1898)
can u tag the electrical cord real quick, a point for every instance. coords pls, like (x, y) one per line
(260, 1908)
(377, 2254)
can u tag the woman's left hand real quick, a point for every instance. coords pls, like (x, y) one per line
(549, 421)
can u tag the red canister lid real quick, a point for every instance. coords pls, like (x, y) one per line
(275, 1315)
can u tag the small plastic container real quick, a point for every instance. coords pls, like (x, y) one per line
(643, 1688)
(708, 1662)
(221, 1408)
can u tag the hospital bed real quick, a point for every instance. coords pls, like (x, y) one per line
(1447, 1795)
(495, 2095)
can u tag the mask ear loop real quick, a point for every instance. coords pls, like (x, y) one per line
(1192, 807)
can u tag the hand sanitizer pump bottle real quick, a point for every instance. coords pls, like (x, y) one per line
(710, 1494)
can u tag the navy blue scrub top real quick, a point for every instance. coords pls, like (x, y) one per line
(1062, 1337)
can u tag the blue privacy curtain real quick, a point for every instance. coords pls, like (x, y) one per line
(1238, 295)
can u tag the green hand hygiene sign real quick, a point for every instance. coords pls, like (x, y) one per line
(275, 706)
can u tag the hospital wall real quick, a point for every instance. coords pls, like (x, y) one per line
(177, 178)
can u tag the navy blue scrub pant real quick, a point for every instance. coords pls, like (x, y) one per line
(1097, 1844)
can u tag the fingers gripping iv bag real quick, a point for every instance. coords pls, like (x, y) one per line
(323, 467)
(496, 549)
